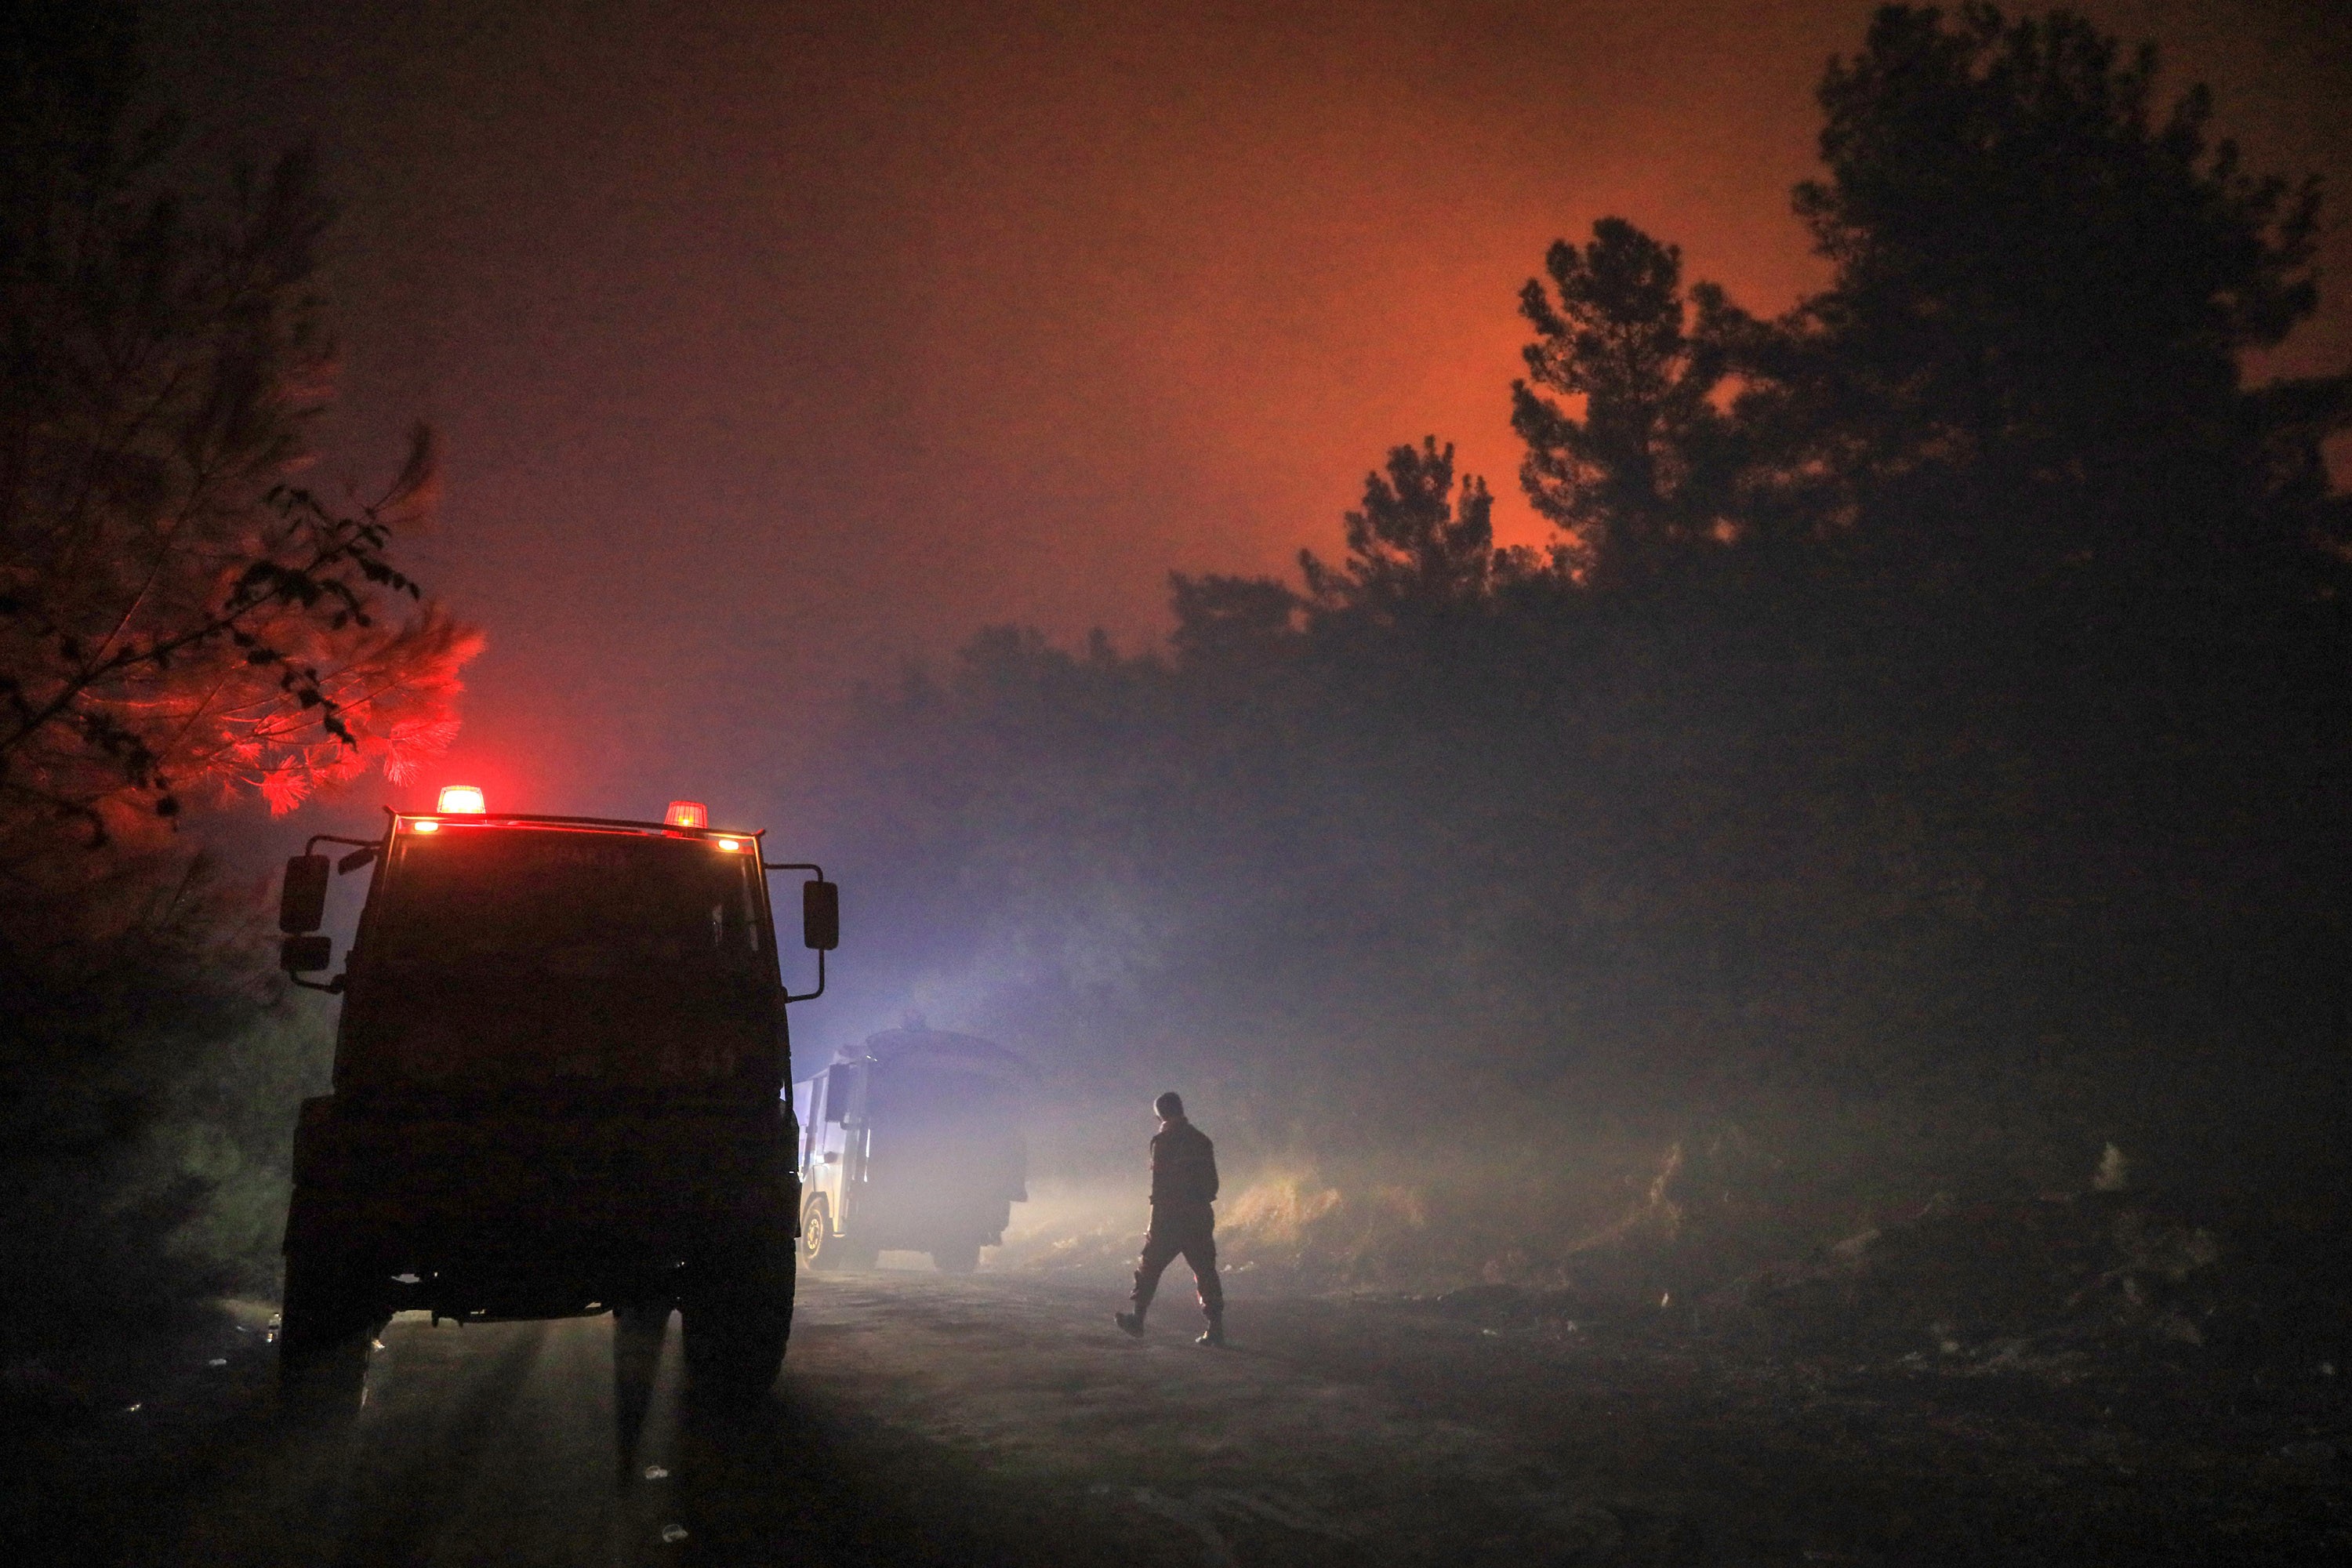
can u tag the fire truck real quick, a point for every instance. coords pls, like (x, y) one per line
(557, 1083)
(911, 1142)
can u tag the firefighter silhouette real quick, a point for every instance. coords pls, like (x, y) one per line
(1183, 1186)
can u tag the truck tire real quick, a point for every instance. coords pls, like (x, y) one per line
(737, 1316)
(820, 1248)
(327, 1324)
(327, 1304)
(961, 1258)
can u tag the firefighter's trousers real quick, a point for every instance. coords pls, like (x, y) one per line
(1191, 1235)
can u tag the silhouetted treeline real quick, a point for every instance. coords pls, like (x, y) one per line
(1936, 693)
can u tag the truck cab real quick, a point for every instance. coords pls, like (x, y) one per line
(556, 1083)
(912, 1141)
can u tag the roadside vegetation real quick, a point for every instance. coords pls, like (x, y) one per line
(184, 624)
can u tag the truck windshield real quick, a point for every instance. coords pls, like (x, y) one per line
(582, 905)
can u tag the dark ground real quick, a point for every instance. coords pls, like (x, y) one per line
(1002, 1420)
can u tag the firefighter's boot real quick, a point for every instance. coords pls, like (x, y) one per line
(1130, 1323)
(1214, 1339)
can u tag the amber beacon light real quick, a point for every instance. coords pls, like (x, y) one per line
(687, 814)
(461, 800)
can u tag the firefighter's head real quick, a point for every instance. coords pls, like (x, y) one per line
(1169, 1107)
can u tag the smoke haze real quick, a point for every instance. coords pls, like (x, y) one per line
(774, 345)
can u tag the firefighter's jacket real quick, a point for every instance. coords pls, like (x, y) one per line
(1183, 1174)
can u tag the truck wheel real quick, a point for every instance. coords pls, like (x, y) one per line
(962, 1257)
(737, 1319)
(328, 1302)
(325, 1327)
(819, 1246)
(822, 1249)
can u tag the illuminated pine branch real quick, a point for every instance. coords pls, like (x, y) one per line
(179, 616)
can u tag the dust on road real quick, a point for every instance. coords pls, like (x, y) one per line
(1003, 1419)
(919, 1418)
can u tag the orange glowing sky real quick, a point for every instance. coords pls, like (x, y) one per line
(772, 344)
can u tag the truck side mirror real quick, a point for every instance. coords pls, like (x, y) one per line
(820, 915)
(302, 904)
(301, 955)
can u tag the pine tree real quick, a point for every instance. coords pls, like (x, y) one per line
(178, 617)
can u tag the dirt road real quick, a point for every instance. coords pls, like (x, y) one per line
(1003, 1419)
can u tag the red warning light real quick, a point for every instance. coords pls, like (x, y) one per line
(461, 800)
(687, 814)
